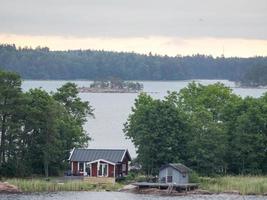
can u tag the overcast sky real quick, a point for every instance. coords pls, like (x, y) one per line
(178, 26)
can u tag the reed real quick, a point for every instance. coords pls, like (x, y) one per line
(41, 185)
(245, 185)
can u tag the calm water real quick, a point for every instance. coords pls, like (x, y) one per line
(121, 196)
(112, 110)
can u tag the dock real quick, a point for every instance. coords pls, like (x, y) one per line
(168, 186)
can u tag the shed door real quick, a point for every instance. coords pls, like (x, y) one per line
(169, 175)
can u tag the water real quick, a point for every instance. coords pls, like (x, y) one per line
(111, 110)
(121, 196)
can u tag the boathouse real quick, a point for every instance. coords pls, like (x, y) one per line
(99, 165)
(176, 173)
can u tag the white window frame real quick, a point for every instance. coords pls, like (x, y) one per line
(101, 165)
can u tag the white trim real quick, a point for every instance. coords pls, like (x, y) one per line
(114, 171)
(123, 155)
(90, 169)
(107, 164)
(71, 166)
(94, 161)
(71, 152)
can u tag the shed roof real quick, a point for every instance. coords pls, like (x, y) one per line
(89, 155)
(178, 166)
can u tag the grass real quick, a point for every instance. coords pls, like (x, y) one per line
(245, 185)
(41, 185)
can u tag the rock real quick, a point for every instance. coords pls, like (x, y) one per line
(232, 192)
(128, 188)
(8, 188)
(199, 191)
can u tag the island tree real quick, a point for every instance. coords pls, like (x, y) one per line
(39, 129)
(208, 128)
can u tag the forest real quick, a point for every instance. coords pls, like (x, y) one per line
(38, 129)
(208, 128)
(41, 63)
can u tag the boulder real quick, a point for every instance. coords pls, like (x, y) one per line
(8, 188)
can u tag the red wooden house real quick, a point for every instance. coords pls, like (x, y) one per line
(99, 162)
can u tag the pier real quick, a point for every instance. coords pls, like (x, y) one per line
(167, 186)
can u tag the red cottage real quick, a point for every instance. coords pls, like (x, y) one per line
(101, 163)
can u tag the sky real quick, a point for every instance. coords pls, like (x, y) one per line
(166, 27)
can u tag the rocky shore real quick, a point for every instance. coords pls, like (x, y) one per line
(162, 192)
(8, 188)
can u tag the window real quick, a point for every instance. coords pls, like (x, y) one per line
(80, 166)
(88, 169)
(103, 169)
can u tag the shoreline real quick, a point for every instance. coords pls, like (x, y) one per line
(164, 192)
(160, 192)
(242, 185)
(8, 188)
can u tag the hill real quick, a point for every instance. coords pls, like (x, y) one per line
(41, 63)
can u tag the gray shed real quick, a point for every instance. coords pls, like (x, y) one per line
(174, 173)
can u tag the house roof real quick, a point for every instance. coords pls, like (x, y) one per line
(89, 155)
(178, 166)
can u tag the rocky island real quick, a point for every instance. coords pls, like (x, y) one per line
(112, 86)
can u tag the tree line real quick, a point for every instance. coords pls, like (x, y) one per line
(41, 63)
(255, 76)
(208, 128)
(38, 129)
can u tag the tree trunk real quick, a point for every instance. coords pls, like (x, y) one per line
(46, 168)
(2, 147)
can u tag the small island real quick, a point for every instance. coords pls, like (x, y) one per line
(112, 86)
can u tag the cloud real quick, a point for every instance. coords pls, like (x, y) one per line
(135, 18)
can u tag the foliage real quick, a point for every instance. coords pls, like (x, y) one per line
(39, 129)
(255, 76)
(41, 63)
(117, 84)
(156, 127)
(194, 177)
(208, 128)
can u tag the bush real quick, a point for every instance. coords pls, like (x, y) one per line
(193, 177)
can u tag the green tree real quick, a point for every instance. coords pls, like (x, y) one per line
(42, 125)
(76, 113)
(205, 107)
(39, 129)
(157, 129)
(247, 137)
(10, 92)
(208, 128)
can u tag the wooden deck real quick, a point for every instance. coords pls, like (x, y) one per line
(169, 186)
